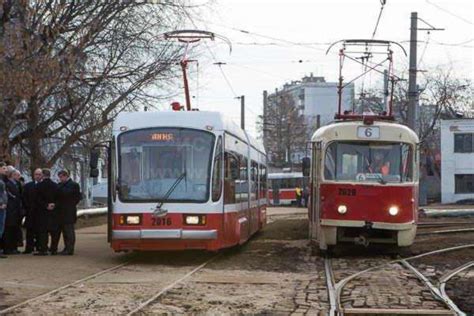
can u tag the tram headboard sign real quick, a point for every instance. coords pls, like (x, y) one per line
(162, 137)
(368, 132)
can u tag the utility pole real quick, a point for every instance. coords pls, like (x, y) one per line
(242, 111)
(412, 89)
(412, 86)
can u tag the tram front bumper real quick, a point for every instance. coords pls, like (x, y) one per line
(185, 234)
(374, 225)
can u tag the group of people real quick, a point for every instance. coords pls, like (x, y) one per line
(45, 208)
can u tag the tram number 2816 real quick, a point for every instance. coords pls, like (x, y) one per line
(161, 221)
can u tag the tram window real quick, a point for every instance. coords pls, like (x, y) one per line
(369, 162)
(263, 181)
(151, 161)
(242, 187)
(254, 180)
(231, 168)
(217, 172)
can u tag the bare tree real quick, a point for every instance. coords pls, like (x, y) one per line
(285, 129)
(441, 96)
(69, 67)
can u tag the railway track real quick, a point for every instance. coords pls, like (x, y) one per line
(335, 289)
(135, 305)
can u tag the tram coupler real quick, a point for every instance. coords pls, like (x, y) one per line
(362, 240)
(368, 225)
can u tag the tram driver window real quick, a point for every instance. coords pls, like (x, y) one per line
(381, 162)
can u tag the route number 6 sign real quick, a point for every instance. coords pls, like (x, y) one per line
(371, 132)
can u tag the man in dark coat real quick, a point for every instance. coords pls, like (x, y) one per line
(14, 210)
(32, 211)
(69, 195)
(46, 219)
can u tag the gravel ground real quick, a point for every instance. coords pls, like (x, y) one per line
(276, 272)
(461, 290)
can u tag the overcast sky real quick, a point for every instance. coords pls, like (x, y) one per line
(285, 40)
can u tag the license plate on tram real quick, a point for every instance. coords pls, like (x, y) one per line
(161, 221)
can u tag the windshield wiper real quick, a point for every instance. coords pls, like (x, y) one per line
(170, 190)
(380, 178)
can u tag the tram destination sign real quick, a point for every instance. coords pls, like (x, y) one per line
(368, 132)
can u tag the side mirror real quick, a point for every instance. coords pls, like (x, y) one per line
(306, 166)
(94, 162)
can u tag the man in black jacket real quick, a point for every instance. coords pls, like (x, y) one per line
(69, 195)
(46, 219)
(12, 221)
(31, 208)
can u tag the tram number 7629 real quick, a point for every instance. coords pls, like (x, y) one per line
(161, 221)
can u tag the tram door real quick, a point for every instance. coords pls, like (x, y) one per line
(314, 211)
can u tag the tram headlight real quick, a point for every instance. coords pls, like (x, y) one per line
(342, 209)
(393, 210)
(195, 219)
(132, 220)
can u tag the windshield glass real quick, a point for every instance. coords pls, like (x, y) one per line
(151, 161)
(369, 162)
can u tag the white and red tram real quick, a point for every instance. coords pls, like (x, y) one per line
(282, 187)
(364, 183)
(184, 180)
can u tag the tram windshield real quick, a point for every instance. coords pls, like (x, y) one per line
(151, 161)
(381, 162)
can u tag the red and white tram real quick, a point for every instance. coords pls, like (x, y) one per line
(282, 187)
(184, 180)
(364, 168)
(364, 183)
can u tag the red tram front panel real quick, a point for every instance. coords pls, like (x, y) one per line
(171, 232)
(368, 203)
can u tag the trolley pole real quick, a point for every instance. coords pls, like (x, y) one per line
(412, 89)
(242, 111)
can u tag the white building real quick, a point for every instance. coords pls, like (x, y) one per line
(457, 160)
(314, 96)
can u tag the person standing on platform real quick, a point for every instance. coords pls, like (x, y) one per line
(3, 205)
(47, 222)
(32, 211)
(12, 222)
(19, 232)
(69, 195)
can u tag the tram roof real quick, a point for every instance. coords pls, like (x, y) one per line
(347, 130)
(188, 119)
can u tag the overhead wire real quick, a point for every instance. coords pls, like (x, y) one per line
(251, 33)
(449, 12)
(428, 37)
(219, 64)
(226, 79)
